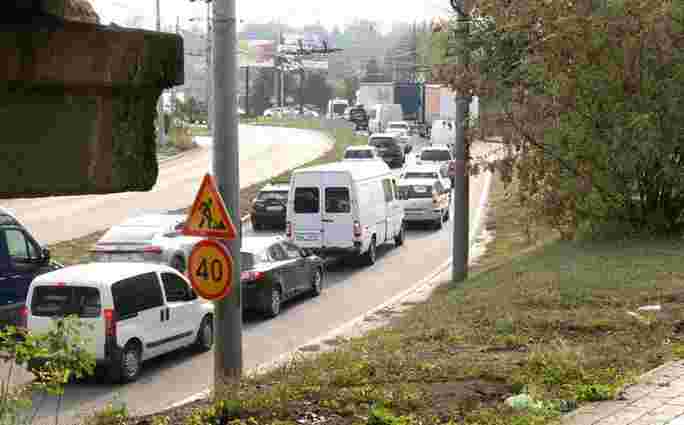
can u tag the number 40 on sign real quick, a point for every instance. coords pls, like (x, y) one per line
(210, 268)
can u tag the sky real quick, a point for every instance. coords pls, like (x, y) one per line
(295, 13)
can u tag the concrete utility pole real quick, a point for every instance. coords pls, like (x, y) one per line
(228, 311)
(174, 95)
(210, 84)
(160, 102)
(460, 150)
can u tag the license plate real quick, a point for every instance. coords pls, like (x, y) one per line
(307, 237)
(274, 208)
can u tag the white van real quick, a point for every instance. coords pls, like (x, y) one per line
(345, 208)
(383, 115)
(138, 311)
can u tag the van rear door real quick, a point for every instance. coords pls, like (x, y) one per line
(306, 222)
(50, 302)
(338, 221)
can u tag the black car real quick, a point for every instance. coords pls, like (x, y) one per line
(274, 270)
(21, 259)
(269, 207)
(389, 149)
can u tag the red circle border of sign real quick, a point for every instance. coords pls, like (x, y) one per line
(224, 252)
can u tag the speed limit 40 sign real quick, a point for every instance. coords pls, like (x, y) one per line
(211, 270)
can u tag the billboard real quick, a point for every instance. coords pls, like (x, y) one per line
(259, 53)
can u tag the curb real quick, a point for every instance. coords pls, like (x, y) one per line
(430, 278)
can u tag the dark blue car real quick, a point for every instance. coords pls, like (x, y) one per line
(21, 259)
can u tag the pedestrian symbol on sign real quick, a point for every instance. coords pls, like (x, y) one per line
(208, 216)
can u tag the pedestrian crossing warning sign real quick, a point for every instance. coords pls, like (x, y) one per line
(208, 215)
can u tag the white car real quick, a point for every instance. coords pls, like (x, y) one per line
(138, 311)
(273, 112)
(437, 155)
(401, 128)
(424, 200)
(152, 238)
(427, 171)
(361, 153)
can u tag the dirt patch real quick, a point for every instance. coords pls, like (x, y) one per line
(449, 398)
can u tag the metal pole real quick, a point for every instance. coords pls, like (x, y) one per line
(247, 90)
(228, 311)
(301, 92)
(160, 101)
(210, 84)
(461, 181)
(276, 70)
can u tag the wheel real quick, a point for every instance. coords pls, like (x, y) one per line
(205, 334)
(317, 283)
(272, 304)
(178, 263)
(399, 239)
(369, 256)
(127, 369)
(438, 223)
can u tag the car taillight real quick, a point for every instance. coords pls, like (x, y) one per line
(152, 249)
(289, 230)
(110, 322)
(357, 229)
(23, 317)
(251, 276)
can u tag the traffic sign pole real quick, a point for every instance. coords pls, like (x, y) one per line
(228, 311)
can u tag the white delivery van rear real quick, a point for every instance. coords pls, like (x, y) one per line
(321, 209)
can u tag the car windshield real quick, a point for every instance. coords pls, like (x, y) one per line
(382, 142)
(420, 175)
(272, 196)
(415, 191)
(358, 154)
(126, 234)
(65, 300)
(435, 155)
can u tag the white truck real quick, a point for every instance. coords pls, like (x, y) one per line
(383, 114)
(370, 94)
(345, 208)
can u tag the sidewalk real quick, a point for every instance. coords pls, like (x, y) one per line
(657, 399)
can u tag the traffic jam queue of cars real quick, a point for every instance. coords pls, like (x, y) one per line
(136, 292)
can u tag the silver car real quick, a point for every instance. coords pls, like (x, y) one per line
(150, 238)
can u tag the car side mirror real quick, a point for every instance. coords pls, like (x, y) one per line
(46, 254)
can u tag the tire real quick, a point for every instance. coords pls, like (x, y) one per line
(205, 334)
(272, 305)
(127, 368)
(317, 283)
(178, 263)
(399, 239)
(370, 256)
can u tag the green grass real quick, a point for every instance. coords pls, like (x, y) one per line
(544, 317)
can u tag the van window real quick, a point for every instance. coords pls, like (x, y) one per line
(387, 188)
(136, 294)
(20, 248)
(337, 200)
(65, 300)
(415, 191)
(306, 200)
(175, 288)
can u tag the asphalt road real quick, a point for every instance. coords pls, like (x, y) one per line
(264, 152)
(349, 291)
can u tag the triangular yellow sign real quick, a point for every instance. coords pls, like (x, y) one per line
(208, 216)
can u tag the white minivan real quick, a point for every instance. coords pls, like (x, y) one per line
(137, 311)
(345, 208)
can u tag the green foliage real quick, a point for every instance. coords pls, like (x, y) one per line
(114, 413)
(220, 412)
(593, 102)
(53, 357)
(379, 415)
(594, 392)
